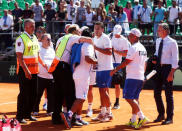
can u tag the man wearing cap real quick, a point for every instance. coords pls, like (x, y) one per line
(120, 47)
(167, 62)
(135, 64)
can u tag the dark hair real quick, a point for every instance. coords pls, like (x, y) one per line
(87, 32)
(71, 29)
(100, 23)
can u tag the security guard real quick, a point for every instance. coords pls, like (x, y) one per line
(167, 58)
(64, 84)
(27, 51)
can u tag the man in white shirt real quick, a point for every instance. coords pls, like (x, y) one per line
(144, 15)
(135, 64)
(120, 47)
(167, 62)
(81, 76)
(173, 16)
(6, 24)
(103, 48)
(71, 8)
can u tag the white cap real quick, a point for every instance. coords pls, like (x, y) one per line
(117, 29)
(136, 32)
(136, 0)
(83, 28)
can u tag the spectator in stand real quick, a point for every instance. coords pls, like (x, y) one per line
(136, 8)
(116, 7)
(38, 13)
(27, 13)
(71, 9)
(156, 2)
(100, 15)
(122, 20)
(179, 3)
(144, 15)
(90, 15)
(61, 17)
(110, 23)
(102, 6)
(49, 15)
(17, 14)
(6, 24)
(128, 10)
(80, 16)
(53, 4)
(111, 12)
(159, 14)
(173, 13)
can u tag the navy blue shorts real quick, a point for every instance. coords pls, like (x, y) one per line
(103, 79)
(132, 88)
(115, 65)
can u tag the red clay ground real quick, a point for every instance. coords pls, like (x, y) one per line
(8, 97)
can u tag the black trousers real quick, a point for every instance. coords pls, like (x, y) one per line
(160, 80)
(27, 95)
(173, 29)
(64, 89)
(42, 85)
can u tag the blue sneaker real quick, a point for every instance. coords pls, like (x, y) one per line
(45, 107)
(67, 120)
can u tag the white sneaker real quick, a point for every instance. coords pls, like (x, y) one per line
(107, 117)
(35, 114)
(89, 113)
(98, 117)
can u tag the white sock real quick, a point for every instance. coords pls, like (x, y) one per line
(45, 100)
(141, 115)
(89, 106)
(78, 117)
(133, 118)
(70, 113)
(103, 110)
(109, 110)
(64, 109)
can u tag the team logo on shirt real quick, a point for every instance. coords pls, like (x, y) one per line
(29, 47)
(19, 43)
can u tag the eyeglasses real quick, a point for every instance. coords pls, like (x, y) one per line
(39, 31)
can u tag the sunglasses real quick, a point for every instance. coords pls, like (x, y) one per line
(48, 39)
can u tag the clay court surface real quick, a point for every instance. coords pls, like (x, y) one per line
(8, 98)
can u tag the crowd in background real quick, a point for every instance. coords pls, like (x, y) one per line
(144, 14)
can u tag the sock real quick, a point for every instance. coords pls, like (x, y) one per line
(141, 115)
(70, 113)
(133, 118)
(117, 101)
(64, 109)
(103, 110)
(109, 110)
(78, 117)
(89, 106)
(45, 101)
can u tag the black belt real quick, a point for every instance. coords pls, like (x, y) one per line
(162, 65)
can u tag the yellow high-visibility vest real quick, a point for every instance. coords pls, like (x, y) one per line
(59, 52)
(30, 54)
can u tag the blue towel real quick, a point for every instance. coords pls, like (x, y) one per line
(75, 55)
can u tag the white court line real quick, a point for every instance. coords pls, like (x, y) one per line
(13, 102)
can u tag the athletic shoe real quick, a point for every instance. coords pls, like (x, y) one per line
(116, 106)
(45, 106)
(67, 120)
(142, 122)
(35, 114)
(89, 113)
(49, 114)
(132, 124)
(80, 122)
(107, 117)
(98, 117)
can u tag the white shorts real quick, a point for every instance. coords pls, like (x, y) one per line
(92, 78)
(81, 88)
